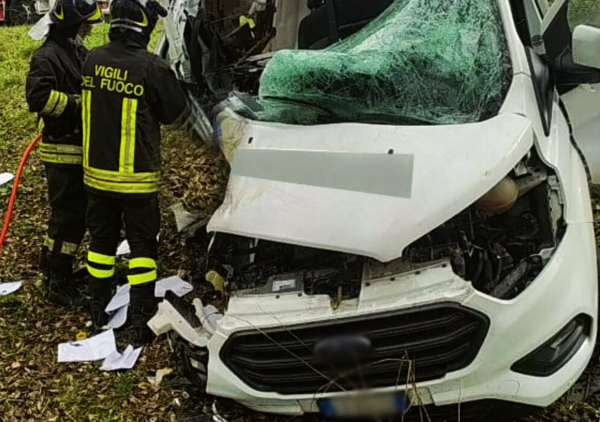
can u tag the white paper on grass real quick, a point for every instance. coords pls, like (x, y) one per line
(175, 284)
(6, 177)
(91, 349)
(116, 360)
(117, 307)
(123, 248)
(118, 319)
(8, 288)
(120, 299)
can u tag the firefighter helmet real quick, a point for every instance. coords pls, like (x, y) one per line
(137, 15)
(73, 13)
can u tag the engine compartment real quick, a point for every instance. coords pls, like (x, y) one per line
(499, 244)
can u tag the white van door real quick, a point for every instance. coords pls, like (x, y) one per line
(583, 106)
(579, 86)
(583, 103)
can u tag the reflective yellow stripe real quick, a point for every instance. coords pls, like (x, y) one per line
(142, 278)
(41, 125)
(120, 187)
(97, 15)
(61, 159)
(98, 258)
(142, 263)
(115, 176)
(95, 272)
(128, 122)
(49, 243)
(61, 149)
(69, 248)
(63, 100)
(51, 103)
(245, 20)
(86, 96)
(125, 180)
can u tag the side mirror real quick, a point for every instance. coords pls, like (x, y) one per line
(586, 46)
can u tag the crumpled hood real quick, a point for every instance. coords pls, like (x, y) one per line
(364, 189)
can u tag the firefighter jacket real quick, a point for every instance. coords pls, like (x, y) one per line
(126, 93)
(53, 89)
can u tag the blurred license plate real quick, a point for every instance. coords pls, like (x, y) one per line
(363, 405)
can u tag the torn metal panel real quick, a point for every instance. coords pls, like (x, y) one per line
(452, 169)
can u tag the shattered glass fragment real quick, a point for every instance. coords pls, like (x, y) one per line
(420, 62)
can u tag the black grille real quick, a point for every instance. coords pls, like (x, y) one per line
(436, 339)
(477, 411)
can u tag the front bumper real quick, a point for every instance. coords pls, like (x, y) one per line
(566, 287)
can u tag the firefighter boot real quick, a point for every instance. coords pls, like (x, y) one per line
(61, 288)
(142, 307)
(101, 293)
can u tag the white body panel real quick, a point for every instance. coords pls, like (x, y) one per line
(583, 105)
(469, 159)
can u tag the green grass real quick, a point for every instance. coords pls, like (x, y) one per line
(124, 385)
(584, 12)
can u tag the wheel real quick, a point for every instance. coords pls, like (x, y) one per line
(19, 12)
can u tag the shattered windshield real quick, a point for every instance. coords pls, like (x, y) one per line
(419, 62)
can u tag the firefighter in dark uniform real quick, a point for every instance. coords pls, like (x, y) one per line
(127, 93)
(53, 91)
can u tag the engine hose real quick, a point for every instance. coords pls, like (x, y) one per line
(13, 196)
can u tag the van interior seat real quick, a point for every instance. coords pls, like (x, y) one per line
(350, 17)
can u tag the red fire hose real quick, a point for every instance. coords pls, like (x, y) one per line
(13, 196)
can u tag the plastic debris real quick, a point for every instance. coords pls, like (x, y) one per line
(167, 318)
(9, 288)
(82, 335)
(209, 316)
(419, 62)
(126, 360)
(216, 280)
(91, 349)
(160, 374)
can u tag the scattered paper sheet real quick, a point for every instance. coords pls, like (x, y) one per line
(8, 288)
(94, 348)
(118, 319)
(175, 284)
(116, 360)
(5, 178)
(123, 248)
(120, 299)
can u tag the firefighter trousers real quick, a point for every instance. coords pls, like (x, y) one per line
(141, 217)
(66, 227)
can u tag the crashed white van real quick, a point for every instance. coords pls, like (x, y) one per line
(382, 251)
